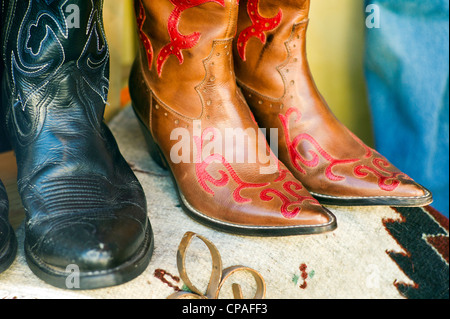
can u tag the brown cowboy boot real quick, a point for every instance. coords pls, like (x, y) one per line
(185, 95)
(273, 72)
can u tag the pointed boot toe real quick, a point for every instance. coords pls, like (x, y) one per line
(269, 205)
(102, 252)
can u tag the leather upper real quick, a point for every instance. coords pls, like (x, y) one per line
(276, 80)
(5, 228)
(83, 203)
(195, 90)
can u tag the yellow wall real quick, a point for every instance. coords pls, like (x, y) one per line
(336, 54)
(121, 34)
(335, 50)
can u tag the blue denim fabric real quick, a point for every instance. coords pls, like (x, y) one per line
(407, 70)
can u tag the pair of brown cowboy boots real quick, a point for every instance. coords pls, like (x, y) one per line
(209, 76)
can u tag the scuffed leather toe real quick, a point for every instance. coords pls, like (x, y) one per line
(87, 241)
(90, 223)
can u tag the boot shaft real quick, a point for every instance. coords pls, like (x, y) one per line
(55, 82)
(261, 18)
(267, 30)
(176, 37)
(4, 143)
(41, 38)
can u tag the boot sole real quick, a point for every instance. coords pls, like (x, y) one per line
(264, 231)
(94, 279)
(9, 255)
(392, 201)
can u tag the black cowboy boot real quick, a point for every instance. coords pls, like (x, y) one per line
(4, 143)
(86, 213)
(8, 241)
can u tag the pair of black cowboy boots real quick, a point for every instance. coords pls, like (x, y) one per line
(84, 206)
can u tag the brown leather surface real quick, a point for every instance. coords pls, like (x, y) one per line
(318, 149)
(201, 96)
(177, 85)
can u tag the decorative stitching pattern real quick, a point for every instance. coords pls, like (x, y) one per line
(29, 49)
(387, 180)
(179, 42)
(297, 158)
(289, 208)
(95, 66)
(369, 153)
(203, 176)
(22, 61)
(291, 188)
(388, 183)
(141, 18)
(258, 27)
(43, 28)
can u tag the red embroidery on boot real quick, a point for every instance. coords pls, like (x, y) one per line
(287, 203)
(387, 183)
(178, 41)
(289, 209)
(203, 176)
(258, 27)
(295, 156)
(141, 17)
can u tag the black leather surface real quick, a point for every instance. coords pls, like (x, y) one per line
(8, 240)
(4, 142)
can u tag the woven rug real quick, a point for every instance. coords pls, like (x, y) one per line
(376, 252)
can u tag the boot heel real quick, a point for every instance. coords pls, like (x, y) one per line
(153, 148)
